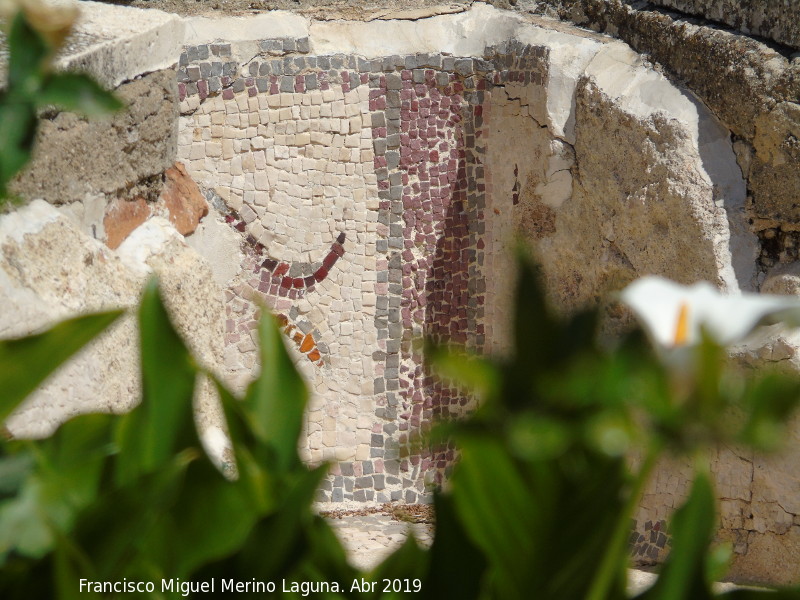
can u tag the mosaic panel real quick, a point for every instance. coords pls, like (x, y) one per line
(359, 190)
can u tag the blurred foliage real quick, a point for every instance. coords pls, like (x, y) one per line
(539, 505)
(32, 86)
(109, 498)
(26, 362)
(545, 489)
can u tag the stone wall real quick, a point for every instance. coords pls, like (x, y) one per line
(575, 142)
(777, 20)
(108, 208)
(375, 192)
(752, 86)
(77, 160)
(121, 157)
(774, 20)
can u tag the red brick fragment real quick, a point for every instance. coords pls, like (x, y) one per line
(122, 217)
(183, 200)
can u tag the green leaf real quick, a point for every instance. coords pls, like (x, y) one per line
(79, 93)
(576, 540)
(476, 374)
(610, 576)
(25, 526)
(286, 531)
(718, 562)
(453, 552)
(276, 400)
(683, 574)
(70, 462)
(534, 329)
(325, 560)
(27, 54)
(707, 405)
(67, 575)
(25, 578)
(611, 433)
(327, 557)
(769, 402)
(537, 437)
(14, 470)
(18, 125)
(164, 423)
(217, 526)
(501, 514)
(128, 528)
(577, 337)
(66, 479)
(25, 363)
(407, 563)
(263, 485)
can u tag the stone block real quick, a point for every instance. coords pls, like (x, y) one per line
(58, 271)
(120, 157)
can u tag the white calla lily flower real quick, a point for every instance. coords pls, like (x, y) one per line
(674, 315)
